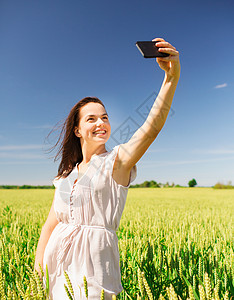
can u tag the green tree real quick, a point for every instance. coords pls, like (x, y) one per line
(153, 183)
(146, 184)
(192, 183)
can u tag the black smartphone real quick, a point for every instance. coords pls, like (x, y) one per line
(149, 50)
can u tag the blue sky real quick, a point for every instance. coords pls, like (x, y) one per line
(54, 53)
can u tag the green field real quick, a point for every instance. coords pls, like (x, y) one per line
(172, 241)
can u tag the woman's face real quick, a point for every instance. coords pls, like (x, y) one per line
(94, 126)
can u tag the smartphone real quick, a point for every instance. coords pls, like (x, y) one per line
(149, 50)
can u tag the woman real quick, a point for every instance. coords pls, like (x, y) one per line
(79, 235)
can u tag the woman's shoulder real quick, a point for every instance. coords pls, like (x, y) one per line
(64, 178)
(56, 181)
(111, 155)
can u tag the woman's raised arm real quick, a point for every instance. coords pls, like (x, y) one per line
(133, 150)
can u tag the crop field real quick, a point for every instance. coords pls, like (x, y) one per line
(175, 243)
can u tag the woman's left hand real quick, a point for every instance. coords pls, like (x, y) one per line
(171, 63)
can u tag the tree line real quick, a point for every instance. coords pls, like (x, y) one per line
(25, 186)
(145, 184)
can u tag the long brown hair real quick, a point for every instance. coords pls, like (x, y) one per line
(69, 147)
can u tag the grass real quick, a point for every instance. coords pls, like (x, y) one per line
(176, 239)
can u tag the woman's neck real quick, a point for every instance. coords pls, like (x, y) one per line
(88, 152)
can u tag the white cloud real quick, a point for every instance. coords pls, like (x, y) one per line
(22, 152)
(218, 151)
(219, 86)
(32, 126)
(17, 156)
(46, 126)
(24, 162)
(20, 147)
(182, 162)
(158, 150)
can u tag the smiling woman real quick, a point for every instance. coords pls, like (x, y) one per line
(90, 126)
(79, 235)
(70, 147)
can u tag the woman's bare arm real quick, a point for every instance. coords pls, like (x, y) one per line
(46, 231)
(130, 152)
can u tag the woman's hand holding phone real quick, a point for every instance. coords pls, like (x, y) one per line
(171, 63)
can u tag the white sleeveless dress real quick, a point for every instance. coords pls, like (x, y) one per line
(84, 242)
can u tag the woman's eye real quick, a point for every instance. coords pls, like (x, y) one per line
(91, 118)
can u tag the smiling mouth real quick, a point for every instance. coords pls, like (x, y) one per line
(100, 132)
